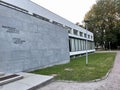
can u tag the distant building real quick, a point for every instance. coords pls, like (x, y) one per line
(32, 37)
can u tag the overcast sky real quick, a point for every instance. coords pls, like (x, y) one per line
(72, 10)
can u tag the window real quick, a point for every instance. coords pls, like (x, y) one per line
(85, 35)
(88, 36)
(75, 32)
(57, 23)
(69, 29)
(91, 37)
(40, 17)
(79, 45)
(81, 34)
(76, 45)
(82, 45)
(72, 45)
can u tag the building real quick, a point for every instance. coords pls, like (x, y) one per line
(32, 37)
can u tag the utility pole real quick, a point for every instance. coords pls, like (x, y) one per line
(86, 24)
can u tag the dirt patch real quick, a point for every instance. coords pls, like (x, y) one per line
(68, 69)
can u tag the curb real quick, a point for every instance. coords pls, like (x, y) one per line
(42, 84)
(103, 78)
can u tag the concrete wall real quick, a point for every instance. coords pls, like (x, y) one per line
(28, 43)
(34, 8)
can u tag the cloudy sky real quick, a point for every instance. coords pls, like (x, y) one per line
(72, 10)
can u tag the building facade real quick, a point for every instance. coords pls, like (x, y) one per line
(32, 37)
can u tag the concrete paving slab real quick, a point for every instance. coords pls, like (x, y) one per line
(29, 81)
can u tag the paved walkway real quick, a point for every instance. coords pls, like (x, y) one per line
(112, 82)
(27, 83)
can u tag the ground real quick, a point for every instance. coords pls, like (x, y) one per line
(112, 82)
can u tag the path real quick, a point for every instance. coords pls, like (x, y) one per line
(112, 82)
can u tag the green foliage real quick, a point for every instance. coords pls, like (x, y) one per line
(98, 66)
(105, 22)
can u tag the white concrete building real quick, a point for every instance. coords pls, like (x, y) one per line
(33, 37)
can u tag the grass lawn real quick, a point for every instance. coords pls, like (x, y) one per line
(77, 70)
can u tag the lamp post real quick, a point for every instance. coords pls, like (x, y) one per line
(86, 24)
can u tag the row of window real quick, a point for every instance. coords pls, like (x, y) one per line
(75, 32)
(79, 33)
(79, 45)
(13, 7)
(48, 20)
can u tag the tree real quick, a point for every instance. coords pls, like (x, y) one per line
(105, 22)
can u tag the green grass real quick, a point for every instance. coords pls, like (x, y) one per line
(99, 65)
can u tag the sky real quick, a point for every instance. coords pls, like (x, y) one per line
(72, 10)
